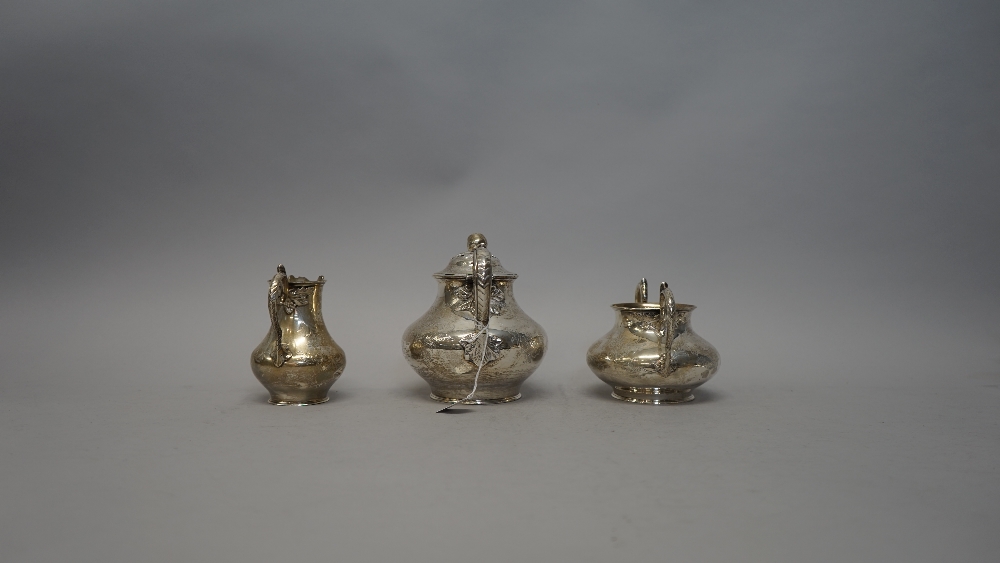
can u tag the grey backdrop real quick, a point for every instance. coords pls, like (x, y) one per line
(818, 177)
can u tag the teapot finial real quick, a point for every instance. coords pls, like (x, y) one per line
(476, 240)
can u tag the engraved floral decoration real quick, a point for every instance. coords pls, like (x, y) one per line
(296, 297)
(467, 299)
(473, 343)
(643, 325)
(473, 347)
(662, 364)
(287, 298)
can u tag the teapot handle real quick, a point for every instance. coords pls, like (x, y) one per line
(668, 325)
(482, 277)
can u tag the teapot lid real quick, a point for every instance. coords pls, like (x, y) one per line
(461, 266)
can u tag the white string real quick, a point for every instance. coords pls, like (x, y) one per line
(475, 382)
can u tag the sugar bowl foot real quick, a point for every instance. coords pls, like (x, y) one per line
(653, 395)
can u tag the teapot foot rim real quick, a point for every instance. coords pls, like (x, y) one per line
(476, 401)
(304, 403)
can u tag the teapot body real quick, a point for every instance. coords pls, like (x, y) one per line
(475, 344)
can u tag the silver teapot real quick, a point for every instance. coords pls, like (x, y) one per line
(652, 355)
(475, 345)
(298, 361)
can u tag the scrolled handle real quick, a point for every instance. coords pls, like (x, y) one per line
(482, 274)
(277, 301)
(668, 325)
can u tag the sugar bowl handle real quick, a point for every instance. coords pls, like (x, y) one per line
(668, 326)
(668, 321)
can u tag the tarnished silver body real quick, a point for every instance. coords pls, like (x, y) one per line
(298, 361)
(652, 355)
(474, 322)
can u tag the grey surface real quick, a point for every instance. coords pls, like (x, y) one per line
(818, 178)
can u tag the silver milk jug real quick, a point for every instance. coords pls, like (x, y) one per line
(298, 361)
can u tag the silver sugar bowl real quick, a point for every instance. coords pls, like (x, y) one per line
(475, 345)
(652, 355)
